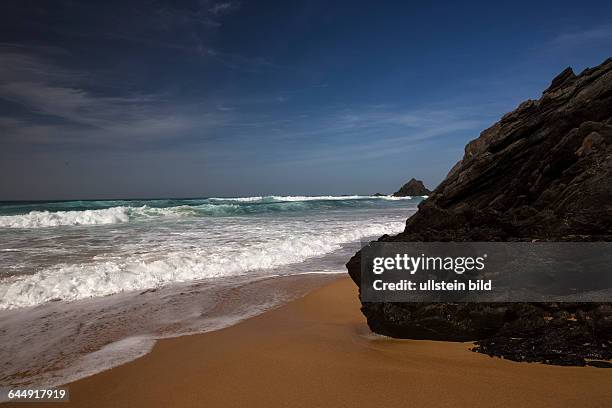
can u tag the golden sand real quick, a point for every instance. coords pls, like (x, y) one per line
(318, 352)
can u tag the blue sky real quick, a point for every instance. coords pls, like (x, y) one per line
(208, 98)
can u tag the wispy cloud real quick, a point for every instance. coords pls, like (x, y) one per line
(224, 108)
(224, 7)
(164, 26)
(580, 37)
(384, 122)
(334, 134)
(58, 107)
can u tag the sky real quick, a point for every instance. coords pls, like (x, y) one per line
(145, 99)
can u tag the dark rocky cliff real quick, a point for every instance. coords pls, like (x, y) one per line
(413, 187)
(544, 171)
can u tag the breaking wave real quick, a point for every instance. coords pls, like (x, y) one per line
(308, 198)
(113, 215)
(90, 213)
(136, 272)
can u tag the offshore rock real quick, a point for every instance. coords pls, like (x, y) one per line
(412, 188)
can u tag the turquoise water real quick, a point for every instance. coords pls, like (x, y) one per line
(70, 250)
(68, 210)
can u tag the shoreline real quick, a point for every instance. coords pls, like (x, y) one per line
(318, 351)
(88, 340)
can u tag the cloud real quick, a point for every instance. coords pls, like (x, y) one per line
(381, 123)
(223, 7)
(61, 106)
(184, 28)
(72, 104)
(581, 37)
(334, 134)
(57, 106)
(385, 136)
(224, 108)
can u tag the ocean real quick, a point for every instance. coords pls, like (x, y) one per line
(87, 285)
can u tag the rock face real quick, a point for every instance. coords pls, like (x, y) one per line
(544, 171)
(412, 188)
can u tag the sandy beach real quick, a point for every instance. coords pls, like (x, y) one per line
(318, 352)
(194, 194)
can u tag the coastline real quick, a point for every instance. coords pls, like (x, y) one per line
(97, 334)
(173, 268)
(318, 351)
(229, 204)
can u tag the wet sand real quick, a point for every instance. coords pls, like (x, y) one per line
(318, 352)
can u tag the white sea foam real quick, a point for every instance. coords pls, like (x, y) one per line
(126, 326)
(151, 270)
(307, 198)
(318, 198)
(191, 255)
(239, 199)
(215, 207)
(109, 356)
(37, 219)
(113, 215)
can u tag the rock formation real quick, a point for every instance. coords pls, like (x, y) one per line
(544, 172)
(412, 188)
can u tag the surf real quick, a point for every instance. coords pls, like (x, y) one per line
(93, 213)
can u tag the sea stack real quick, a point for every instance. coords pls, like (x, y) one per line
(543, 172)
(412, 188)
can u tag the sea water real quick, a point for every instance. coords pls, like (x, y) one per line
(87, 285)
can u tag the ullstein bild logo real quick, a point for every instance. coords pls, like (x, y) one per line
(486, 272)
